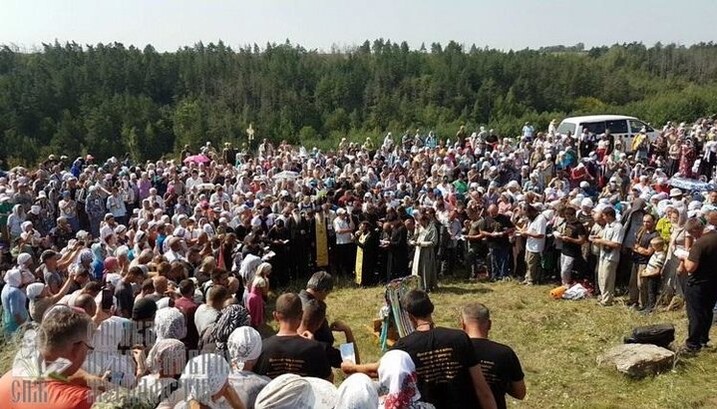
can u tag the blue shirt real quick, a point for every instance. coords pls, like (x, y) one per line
(13, 302)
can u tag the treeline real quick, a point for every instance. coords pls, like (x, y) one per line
(109, 99)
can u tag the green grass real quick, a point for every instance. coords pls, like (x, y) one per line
(556, 341)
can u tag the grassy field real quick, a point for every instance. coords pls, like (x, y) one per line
(556, 341)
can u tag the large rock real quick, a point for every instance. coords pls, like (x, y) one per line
(638, 360)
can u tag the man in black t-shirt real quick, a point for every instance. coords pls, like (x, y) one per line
(125, 293)
(501, 367)
(573, 236)
(449, 374)
(701, 285)
(496, 229)
(641, 253)
(288, 352)
(318, 288)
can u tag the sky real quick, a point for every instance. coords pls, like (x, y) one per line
(319, 24)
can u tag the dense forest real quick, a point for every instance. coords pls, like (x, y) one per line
(109, 99)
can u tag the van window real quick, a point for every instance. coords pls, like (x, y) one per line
(595, 128)
(566, 127)
(617, 126)
(636, 125)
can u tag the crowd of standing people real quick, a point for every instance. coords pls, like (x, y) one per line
(174, 256)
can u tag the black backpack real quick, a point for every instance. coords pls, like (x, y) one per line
(661, 335)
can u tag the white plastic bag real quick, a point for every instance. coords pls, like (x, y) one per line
(575, 292)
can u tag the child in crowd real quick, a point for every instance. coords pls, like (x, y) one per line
(258, 292)
(652, 275)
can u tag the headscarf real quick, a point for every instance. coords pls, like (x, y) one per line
(109, 334)
(13, 278)
(98, 252)
(397, 380)
(111, 263)
(357, 392)
(169, 323)
(25, 225)
(288, 391)
(244, 344)
(325, 394)
(86, 256)
(16, 210)
(232, 317)
(204, 376)
(168, 353)
(34, 290)
(121, 251)
(23, 259)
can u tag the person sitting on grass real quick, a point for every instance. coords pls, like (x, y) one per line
(501, 367)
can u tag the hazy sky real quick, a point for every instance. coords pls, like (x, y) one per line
(504, 24)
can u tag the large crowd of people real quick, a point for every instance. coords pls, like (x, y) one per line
(156, 277)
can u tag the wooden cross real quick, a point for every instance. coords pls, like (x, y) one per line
(250, 132)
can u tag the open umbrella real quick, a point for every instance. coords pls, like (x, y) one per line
(197, 159)
(286, 175)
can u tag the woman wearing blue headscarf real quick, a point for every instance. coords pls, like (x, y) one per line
(98, 261)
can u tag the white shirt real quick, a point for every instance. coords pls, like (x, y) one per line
(192, 182)
(116, 206)
(218, 199)
(172, 256)
(537, 226)
(341, 223)
(156, 199)
(204, 317)
(105, 231)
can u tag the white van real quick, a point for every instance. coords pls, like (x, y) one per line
(623, 127)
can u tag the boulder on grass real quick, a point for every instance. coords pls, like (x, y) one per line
(638, 360)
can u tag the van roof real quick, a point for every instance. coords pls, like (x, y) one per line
(591, 118)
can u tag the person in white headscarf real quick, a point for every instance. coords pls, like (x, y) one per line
(169, 323)
(325, 393)
(41, 299)
(205, 381)
(244, 347)
(165, 361)
(24, 260)
(397, 380)
(288, 391)
(14, 312)
(15, 220)
(30, 236)
(358, 391)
